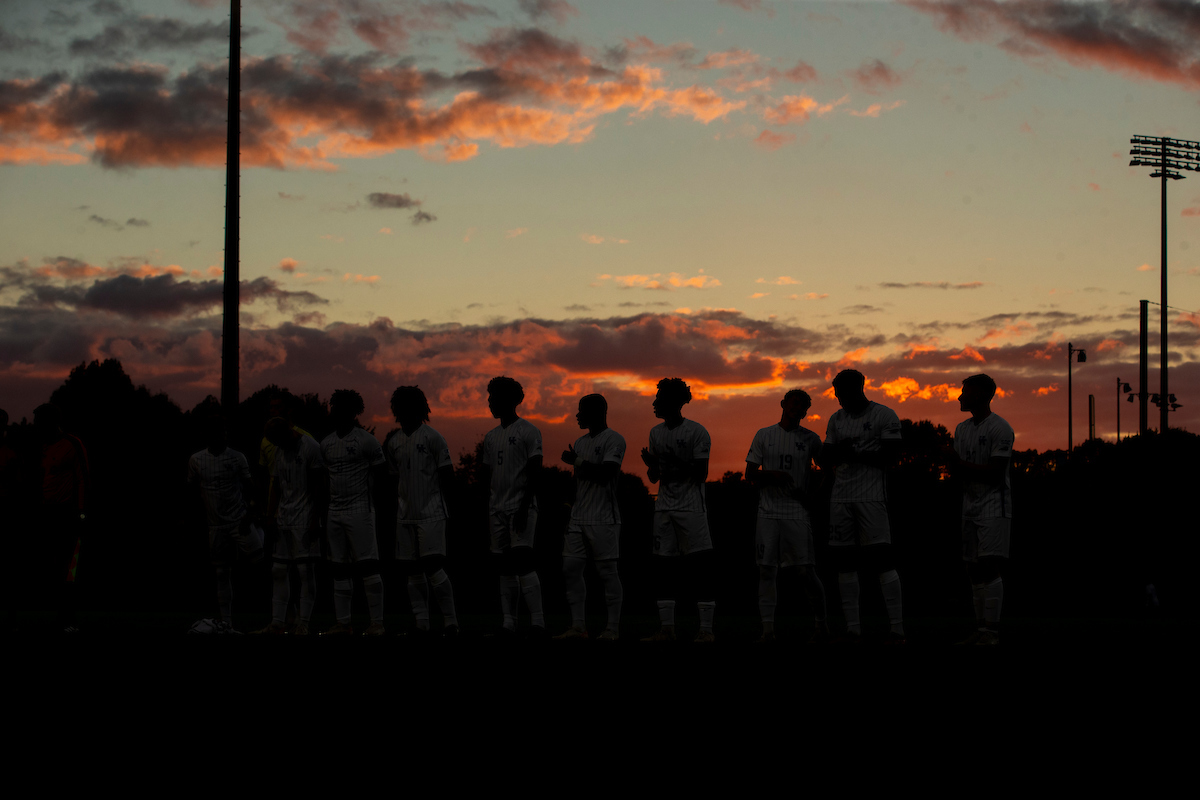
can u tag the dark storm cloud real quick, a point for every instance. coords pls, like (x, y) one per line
(1154, 39)
(138, 34)
(388, 200)
(875, 77)
(422, 217)
(558, 10)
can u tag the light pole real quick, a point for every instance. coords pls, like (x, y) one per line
(1071, 351)
(1166, 155)
(1121, 387)
(232, 289)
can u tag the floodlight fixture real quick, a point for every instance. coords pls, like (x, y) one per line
(1073, 353)
(1169, 157)
(1122, 388)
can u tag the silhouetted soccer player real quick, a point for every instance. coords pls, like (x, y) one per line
(420, 459)
(862, 439)
(984, 446)
(512, 461)
(780, 464)
(677, 460)
(283, 404)
(294, 507)
(223, 477)
(62, 510)
(355, 462)
(595, 527)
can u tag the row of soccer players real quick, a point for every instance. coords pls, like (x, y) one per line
(861, 441)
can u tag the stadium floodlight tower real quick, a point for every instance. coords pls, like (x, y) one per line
(229, 328)
(1167, 156)
(1073, 353)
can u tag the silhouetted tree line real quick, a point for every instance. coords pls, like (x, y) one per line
(1090, 530)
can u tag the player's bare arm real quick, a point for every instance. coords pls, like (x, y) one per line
(446, 483)
(533, 471)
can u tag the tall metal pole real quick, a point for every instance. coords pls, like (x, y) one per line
(229, 328)
(1070, 404)
(1091, 417)
(1163, 406)
(1144, 369)
(1118, 410)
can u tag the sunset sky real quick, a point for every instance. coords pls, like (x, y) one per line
(589, 196)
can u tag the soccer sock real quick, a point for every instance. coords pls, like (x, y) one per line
(373, 588)
(767, 597)
(848, 589)
(225, 593)
(576, 590)
(613, 592)
(814, 590)
(443, 592)
(308, 590)
(666, 614)
(993, 599)
(280, 592)
(707, 609)
(531, 590)
(510, 596)
(343, 592)
(889, 585)
(418, 595)
(978, 595)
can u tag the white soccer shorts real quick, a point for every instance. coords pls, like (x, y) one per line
(297, 544)
(784, 542)
(861, 522)
(597, 542)
(352, 538)
(505, 533)
(420, 539)
(680, 533)
(985, 537)
(222, 544)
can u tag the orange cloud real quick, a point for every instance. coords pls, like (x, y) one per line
(902, 389)
(782, 280)
(875, 109)
(1013, 331)
(798, 108)
(658, 280)
(769, 140)
(288, 265)
(968, 353)
(1109, 344)
(1042, 391)
(1145, 268)
(1192, 211)
(515, 232)
(853, 357)
(359, 278)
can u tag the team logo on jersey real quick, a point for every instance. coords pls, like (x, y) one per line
(682, 443)
(866, 426)
(351, 450)
(512, 440)
(599, 449)
(420, 448)
(801, 446)
(983, 440)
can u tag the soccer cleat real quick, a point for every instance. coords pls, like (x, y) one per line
(70, 629)
(609, 635)
(663, 635)
(572, 633)
(273, 629)
(988, 637)
(704, 637)
(766, 638)
(225, 628)
(894, 638)
(300, 629)
(972, 639)
(339, 629)
(374, 629)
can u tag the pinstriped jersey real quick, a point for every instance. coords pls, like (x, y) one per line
(220, 478)
(979, 444)
(865, 433)
(349, 460)
(596, 504)
(792, 452)
(508, 451)
(416, 460)
(688, 443)
(266, 452)
(291, 470)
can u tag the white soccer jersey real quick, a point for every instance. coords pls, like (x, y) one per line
(596, 504)
(508, 451)
(349, 460)
(416, 460)
(865, 433)
(291, 470)
(220, 479)
(979, 444)
(689, 442)
(792, 452)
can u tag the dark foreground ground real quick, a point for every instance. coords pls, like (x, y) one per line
(1063, 704)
